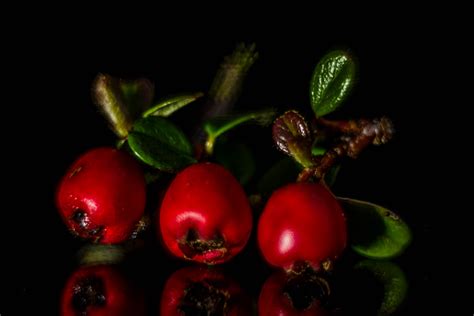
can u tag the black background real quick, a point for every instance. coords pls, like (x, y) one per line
(54, 120)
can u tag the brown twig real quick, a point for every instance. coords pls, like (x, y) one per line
(357, 135)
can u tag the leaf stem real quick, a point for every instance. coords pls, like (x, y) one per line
(209, 146)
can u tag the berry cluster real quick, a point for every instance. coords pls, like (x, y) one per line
(205, 215)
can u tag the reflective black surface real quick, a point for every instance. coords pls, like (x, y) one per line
(62, 123)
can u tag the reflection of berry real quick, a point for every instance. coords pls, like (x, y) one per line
(100, 290)
(102, 195)
(203, 291)
(301, 222)
(205, 215)
(290, 294)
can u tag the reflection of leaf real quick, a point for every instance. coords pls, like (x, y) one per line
(332, 81)
(283, 172)
(374, 231)
(121, 101)
(159, 143)
(170, 105)
(393, 280)
(94, 254)
(237, 158)
(292, 136)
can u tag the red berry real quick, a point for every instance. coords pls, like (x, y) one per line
(203, 291)
(102, 196)
(287, 295)
(302, 222)
(205, 215)
(100, 290)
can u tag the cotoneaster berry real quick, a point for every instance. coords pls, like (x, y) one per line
(102, 196)
(205, 215)
(100, 290)
(203, 291)
(301, 223)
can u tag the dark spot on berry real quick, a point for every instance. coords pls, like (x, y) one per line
(80, 218)
(75, 171)
(204, 299)
(83, 228)
(88, 292)
(192, 245)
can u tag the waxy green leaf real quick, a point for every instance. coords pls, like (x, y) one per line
(332, 81)
(374, 231)
(170, 105)
(159, 143)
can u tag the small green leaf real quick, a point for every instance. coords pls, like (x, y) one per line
(121, 101)
(283, 172)
(332, 81)
(374, 231)
(394, 282)
(237, 158)
(219, 125)
(292, 136)
(170, 105)
(159, 143)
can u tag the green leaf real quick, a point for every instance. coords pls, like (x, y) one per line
(170, 105)
(121, 101)
(332, 81)
(283, 172)
(219, 125)
(374, 231)
(160, 144)
(292, 136)
(394, 282)
(237, 158)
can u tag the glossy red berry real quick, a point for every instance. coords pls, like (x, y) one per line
(100, 290)
(102, 195)
(203, 291)
(205, 215)
(292, 295)
(301, 222)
